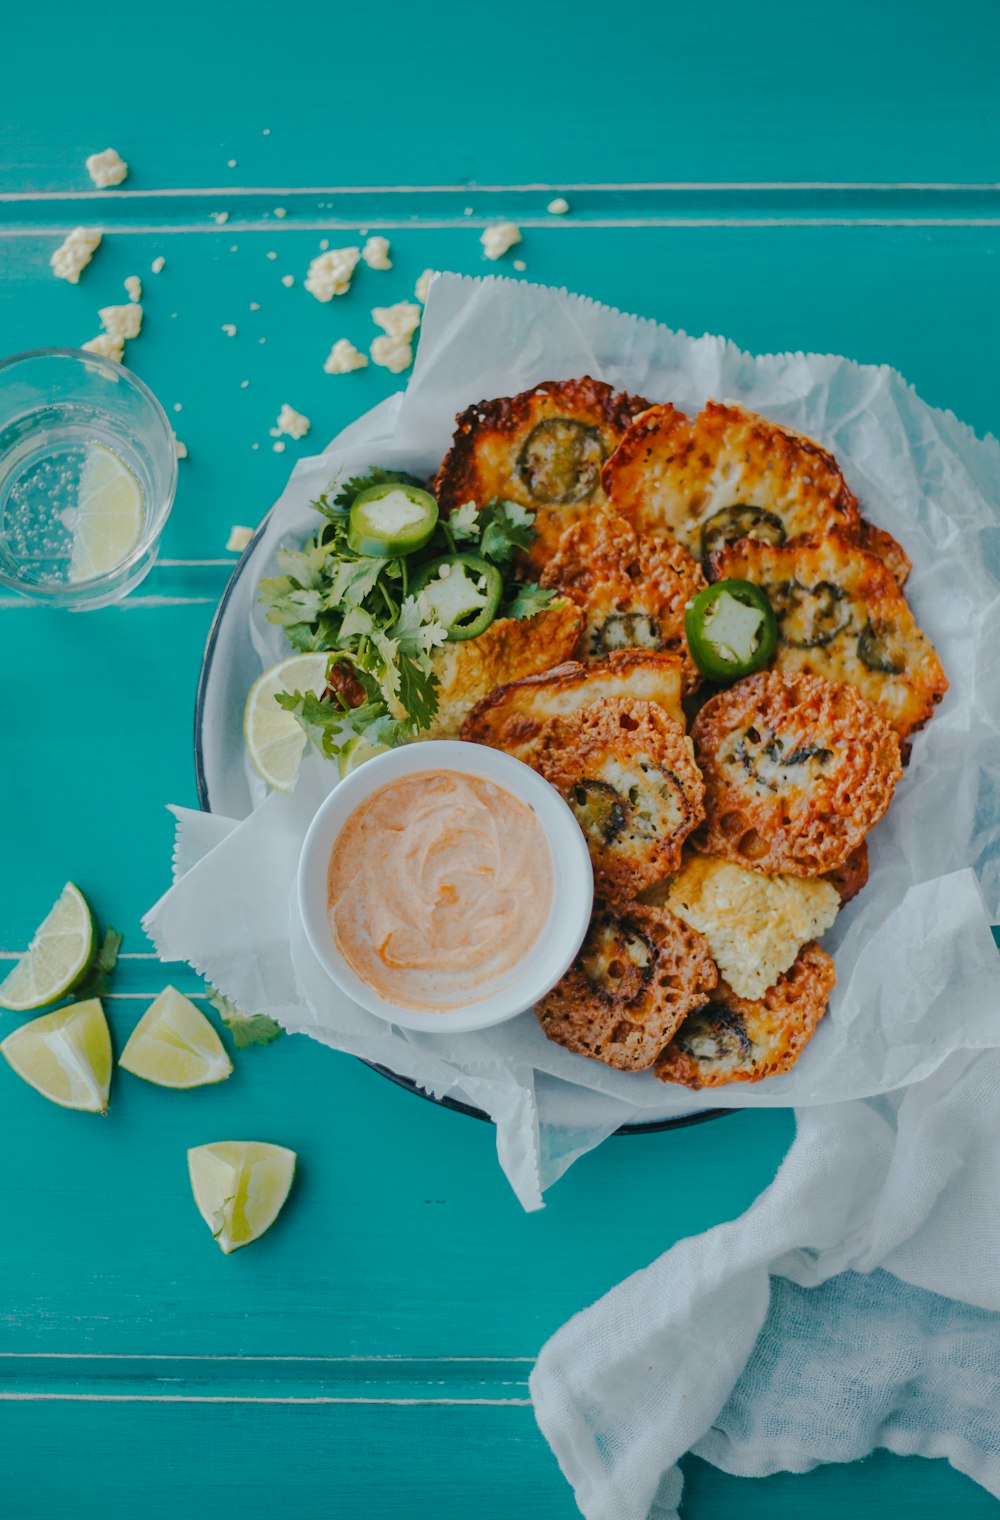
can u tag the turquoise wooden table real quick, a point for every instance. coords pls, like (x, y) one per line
(791, 179)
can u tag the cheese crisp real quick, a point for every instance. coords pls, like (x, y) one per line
(627, 771)
(755, 925)
(514, 717)
(797, 770)
(509, 649)
(734, 1039)
(639, 972)
(633, 588)
(841, 615)
(543, 449)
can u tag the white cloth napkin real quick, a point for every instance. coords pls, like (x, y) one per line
(855, 1305)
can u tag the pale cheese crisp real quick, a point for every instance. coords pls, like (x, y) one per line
(755, 925)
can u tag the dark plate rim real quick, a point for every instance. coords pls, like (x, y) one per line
(652, 1126)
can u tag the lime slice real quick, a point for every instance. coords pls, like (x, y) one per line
(66, 1056)
(240, 1187)
(109, 515)
(274, 739)
(174, 1045)
(355, 752)
(61, 949)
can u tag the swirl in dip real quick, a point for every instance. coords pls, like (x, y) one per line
(439, 884)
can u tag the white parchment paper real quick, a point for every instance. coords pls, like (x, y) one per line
(917, 968)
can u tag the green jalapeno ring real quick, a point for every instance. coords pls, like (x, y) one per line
(382, 528)
(464, 603)
(716, 658)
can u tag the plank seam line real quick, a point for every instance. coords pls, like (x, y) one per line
(413, 224)
(189, 1356)
(464, 191)
(220, 1398)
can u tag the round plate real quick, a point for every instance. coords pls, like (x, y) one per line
(228, 668)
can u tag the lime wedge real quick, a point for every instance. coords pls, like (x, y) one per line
(240, 1187)
(274, 739)
(66, 1056)
(174, 1045)
(109, 515)
(58, 955)
(355, 752)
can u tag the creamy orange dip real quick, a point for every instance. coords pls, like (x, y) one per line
(439, 884)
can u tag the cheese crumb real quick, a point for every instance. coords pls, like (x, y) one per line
(280, 211)
(270, 255)
(376, 253)
(180, 449)
(220, 218)
(122, 321)
(244, 384)
(292, 422)
(133, 287)
(399, 321)
(72, 256)
(423, 285)
(288, 280)
(229, 328)
(255, 306)
(230, 163)
(107, 168)
(755, 925)
(520, 265)
(392, 353)
(279, 447)
(343, 358)
(239, 537)
(178, 406)
(324, 244)
(559, 206)
(108, 345)
(498, 238)
(158, 264)
(330, 273)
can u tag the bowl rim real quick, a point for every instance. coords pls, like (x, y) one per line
(573, 882)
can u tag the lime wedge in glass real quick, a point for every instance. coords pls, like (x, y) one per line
(240, 1187)
(355, 752)
(60, 951)
(274, 739)
(109, 515)
(174, 1045)
(66, 1056)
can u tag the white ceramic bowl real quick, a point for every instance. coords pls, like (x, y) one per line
(572, 888)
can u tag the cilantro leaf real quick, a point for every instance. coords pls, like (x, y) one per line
(322, 722)
(348, 490)
(246, 1028)
(506, 528)
(526, 600)
(417, 691)
(414, 634)
(465, 524)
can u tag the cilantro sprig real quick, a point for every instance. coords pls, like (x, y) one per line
(328, 597)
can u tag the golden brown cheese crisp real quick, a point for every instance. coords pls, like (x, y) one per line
(628, 773)
(633, 588)
(639, 973)
(755, 925)
(841, 615)
(848, 879)
(514, 717)
(543, 449)
(734, 1039)
(797, 770)
(728, 474)
(509, 649)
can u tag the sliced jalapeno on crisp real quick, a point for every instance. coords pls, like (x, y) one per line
(560, 460)
(810, 617)
(740, 521)
(731, 629)
(875, 650)
(462, 591)
(391, 520)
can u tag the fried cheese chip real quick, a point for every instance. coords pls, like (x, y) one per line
(755, 925)
(514, 717)
(732, 474)
(734, 1039)
(543, 449)
(627, 770)
(640, 971)
(633, 588)
(508, 649)
(797, 770)
(841, 615)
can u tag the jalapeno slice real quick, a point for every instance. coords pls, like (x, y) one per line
(463, 592)
(740, 521)
(560, 460)
(731, 629)
(810, 617)
(875, 649)
(391, 520)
